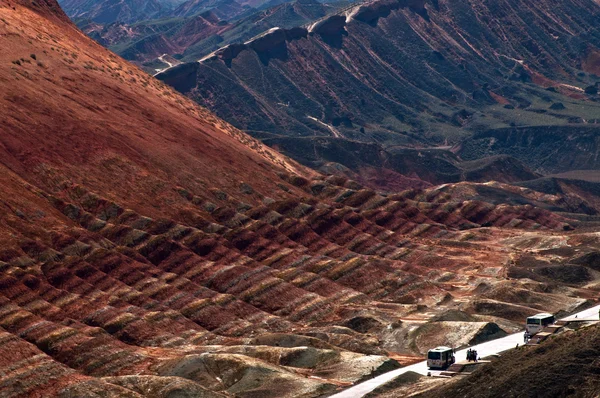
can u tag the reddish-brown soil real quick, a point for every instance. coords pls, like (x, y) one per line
(144, 243)
(72, 111)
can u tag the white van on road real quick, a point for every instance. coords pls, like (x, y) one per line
(536, 323)
(440, 357)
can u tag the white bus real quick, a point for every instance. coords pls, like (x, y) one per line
(440, 357)
(536, 323)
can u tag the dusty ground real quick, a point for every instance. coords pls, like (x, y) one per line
(145, 245)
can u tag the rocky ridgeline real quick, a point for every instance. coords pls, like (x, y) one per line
(400, 74)
(329, 26)
(371, 12)
(274, 40)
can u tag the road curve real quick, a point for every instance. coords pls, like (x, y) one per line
(484, 349)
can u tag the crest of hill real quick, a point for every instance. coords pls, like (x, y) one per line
(48, 8)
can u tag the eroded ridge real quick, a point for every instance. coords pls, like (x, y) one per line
(295, 287)
(148, 247)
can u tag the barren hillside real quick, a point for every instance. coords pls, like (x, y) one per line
(149, 248)
(467, 78)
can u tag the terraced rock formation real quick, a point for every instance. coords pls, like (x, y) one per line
(468, 78)
(148, 247)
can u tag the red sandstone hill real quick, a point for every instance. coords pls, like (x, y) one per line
(148, 248)
(75, 113)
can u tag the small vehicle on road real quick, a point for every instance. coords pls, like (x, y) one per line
(538, 322)
(440, 358)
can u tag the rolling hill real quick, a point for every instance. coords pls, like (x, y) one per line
(147, 247)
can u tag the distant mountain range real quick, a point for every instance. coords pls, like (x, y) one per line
(415, 86)
(391, 87)
(185, 31)
(109, 11)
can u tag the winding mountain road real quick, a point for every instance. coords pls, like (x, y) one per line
(162, 59)
(484, 349)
